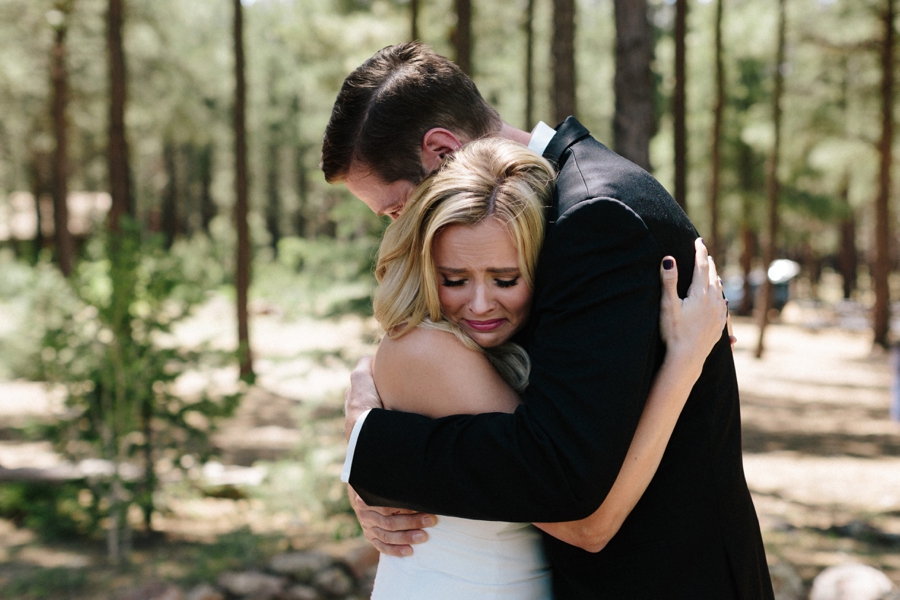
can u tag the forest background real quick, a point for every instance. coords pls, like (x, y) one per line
(173, 150)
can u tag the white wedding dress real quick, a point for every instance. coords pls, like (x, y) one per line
(484, 560)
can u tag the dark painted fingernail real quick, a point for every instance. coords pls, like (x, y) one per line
(668, 264)
(726, 302)
(702, 241)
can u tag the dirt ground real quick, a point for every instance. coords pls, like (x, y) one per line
(821, 456)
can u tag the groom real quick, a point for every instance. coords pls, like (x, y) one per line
(594, 344)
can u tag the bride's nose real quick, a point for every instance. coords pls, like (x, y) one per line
(481, 301)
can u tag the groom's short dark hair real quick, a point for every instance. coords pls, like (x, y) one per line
(388, 103)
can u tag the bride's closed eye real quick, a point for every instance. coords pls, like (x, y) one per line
(452, 282)
(507, 283)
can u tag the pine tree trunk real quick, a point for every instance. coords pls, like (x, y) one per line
(462, 35)
(748, 251)
(413, 20)
(241, 208)
(764, 304)
(170, 195)
(301, 219)
(563, 59)
(715, 244)
(882, 265)
(65, 248)
(679, 100)
(634, 123)
(38, 188)
(117, 151)
(847, 259)
(207, 205)
(528, 26)
(273, 199)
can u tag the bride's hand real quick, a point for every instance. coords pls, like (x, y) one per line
(692, 326)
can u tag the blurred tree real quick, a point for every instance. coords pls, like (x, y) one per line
(117, 149)
(65, 249)
(413, 20)
(679, 106)
(170, 195)
(634, 123)
(241, 208)
(766, 293)
(528, 26)
(208, 208)
(564, 103)
(847, 256)
(882, 264)
(715, 244)
(462, 35)
(273, 157)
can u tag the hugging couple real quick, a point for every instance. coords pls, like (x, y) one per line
(555, 380)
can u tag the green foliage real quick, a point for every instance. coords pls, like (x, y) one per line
(323, 277)
(106, 337)
(49, 584)
(54, 510)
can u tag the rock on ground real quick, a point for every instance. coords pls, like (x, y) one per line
(850, 581)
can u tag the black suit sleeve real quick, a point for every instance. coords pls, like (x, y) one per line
(596, 347)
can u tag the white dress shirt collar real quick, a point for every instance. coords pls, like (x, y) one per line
(540, 138)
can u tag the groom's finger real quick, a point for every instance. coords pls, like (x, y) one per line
(395, 543)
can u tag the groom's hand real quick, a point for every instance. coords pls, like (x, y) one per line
(361, 396)
(392, 531)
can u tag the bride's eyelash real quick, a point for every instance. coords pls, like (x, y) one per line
(505, 283)
(452, 282)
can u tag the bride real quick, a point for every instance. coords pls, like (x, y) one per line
(456, 273)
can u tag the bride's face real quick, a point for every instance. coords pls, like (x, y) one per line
(480, 285)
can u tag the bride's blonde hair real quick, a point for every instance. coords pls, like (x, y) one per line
(489, 178)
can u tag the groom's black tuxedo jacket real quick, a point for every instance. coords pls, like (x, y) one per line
(595, 347)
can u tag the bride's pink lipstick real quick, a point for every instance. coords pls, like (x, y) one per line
(489, 325)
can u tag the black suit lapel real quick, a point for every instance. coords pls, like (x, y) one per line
(568, 132)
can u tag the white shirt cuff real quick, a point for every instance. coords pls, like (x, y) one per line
(540, 138)
(351, 446)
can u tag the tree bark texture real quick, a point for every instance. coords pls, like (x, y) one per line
(65, 248)
(208, 208)
(764, 305)
(882, 265)
(273, 196)
(462, 35)
(117, 150)
(563, 59)
(634, 122)
(847, 256)
(241, 207)
(715, 243)
(748, 251)
(170, 194)
(528, 26)
(679, 104)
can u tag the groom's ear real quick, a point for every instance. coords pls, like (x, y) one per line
(436, 144)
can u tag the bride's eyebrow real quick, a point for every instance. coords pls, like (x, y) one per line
(498, 270)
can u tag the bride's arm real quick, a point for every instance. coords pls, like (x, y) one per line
(690, 329)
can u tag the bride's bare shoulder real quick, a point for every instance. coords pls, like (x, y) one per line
(425, 343)
(430, 372)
